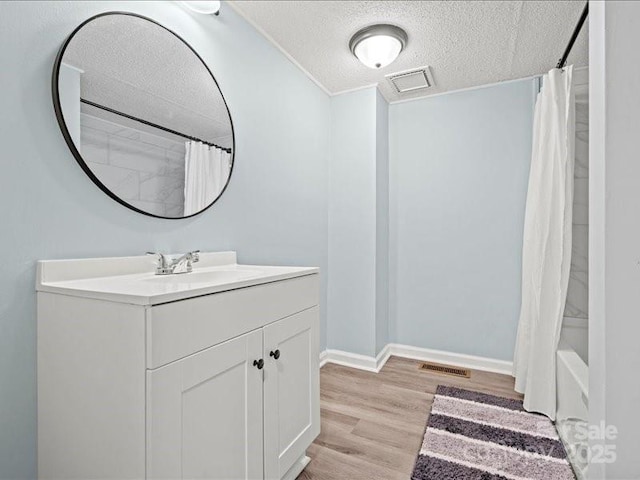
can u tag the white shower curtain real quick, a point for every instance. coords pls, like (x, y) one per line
(206, 173)
(546, 255)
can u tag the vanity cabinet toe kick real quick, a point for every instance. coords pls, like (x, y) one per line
(222, 386)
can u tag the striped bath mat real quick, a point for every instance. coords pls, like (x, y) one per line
(475, 436)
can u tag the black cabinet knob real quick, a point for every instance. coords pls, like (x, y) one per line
(275, 354)
(258, 363)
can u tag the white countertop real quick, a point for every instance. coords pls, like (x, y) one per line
(139, 285)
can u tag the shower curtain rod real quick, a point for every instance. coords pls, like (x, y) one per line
(154, 125)
(563, 61)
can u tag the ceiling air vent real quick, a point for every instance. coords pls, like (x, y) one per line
(411, 80)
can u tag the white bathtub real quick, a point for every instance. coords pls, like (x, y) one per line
(573, 406)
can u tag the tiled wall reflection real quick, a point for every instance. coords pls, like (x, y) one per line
(145, 170)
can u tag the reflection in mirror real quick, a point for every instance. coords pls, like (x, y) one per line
(144, 114)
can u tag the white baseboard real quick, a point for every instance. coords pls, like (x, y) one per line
(324, 358)
(383, 356)
(375, 364)
(347, 359)
(297, 468)
(473, 362)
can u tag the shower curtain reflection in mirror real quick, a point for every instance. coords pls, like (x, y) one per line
(207, 170)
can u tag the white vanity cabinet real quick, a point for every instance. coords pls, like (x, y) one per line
(219, 386)
(205, 413)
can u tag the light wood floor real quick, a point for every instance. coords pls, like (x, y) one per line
(372, 424)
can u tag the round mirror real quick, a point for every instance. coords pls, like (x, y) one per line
(143, 115)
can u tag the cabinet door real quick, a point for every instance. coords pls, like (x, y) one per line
(204, 414)
(291, 390)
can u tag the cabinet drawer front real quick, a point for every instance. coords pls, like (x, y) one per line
(176, 330)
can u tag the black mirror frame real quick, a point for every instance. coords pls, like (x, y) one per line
(67, 136)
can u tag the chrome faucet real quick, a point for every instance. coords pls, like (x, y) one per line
(169, 266)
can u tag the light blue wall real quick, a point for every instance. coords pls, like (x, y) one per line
(458, 182)
(274, 211)
(382, 222)
(358, 294)
(352, 223)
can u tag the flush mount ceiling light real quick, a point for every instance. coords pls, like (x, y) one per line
(203, 6)
(378, 45)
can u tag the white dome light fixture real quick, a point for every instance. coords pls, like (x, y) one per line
(207, 7)
(378, 45)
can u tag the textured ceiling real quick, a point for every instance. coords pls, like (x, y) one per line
(136, 67)
(466, 43)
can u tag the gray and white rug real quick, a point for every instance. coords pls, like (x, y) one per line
(475, 436)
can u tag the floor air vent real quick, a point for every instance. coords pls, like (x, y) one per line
(445, 369)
